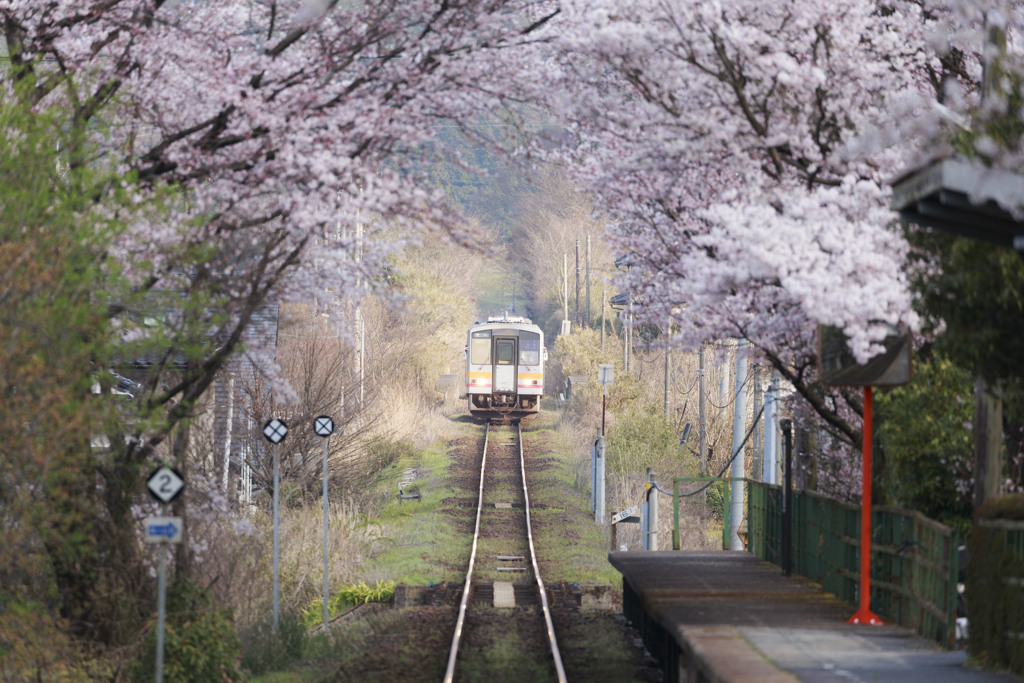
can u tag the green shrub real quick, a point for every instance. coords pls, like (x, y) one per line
(716, 499)
(348, 596)
(200, 642)
(264, 650)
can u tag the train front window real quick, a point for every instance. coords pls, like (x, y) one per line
(529, 348)
(506, 352)
(480, 348)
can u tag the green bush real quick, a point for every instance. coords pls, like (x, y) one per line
(200, 642)
(716, 499)
(348, 596)
(264, 650)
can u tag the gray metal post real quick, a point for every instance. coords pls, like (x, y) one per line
(701, 427)
(161, 611)
(771, 439)
(593, 476)
(767, 464)
(578, 319)
(599, 515)
(565, 286)
(277, 553)
(650, 518)
(665, 404)
(739, 424)
(326, 575)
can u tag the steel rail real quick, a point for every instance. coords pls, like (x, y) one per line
(449, 675)
(555, 653)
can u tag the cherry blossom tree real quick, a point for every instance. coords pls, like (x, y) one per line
(258, 135)
(277, 125)
(742, 151)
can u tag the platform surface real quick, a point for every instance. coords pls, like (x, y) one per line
(731, 609)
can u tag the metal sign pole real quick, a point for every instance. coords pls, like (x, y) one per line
(864, 614)
(161, 612)
(275, 430)
(165, 484)
(277, 550)
(326, 575)
(323, 426)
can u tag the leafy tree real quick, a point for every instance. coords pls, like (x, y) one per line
(266, 131)
(65, 559)
(924, 434)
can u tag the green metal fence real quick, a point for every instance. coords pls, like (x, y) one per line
(913, 558)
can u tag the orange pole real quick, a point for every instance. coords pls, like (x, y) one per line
(864, 614)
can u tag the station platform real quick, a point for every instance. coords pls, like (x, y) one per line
(727, 616)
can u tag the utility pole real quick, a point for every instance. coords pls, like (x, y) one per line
(665, 406)
(755, 436)
(739, 423)
(700, 400)
(588, 320)
(565, 286)
(602, 319)
(577, 282)
(770, 431)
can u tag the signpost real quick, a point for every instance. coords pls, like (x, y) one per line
(605, 376)
(275, 430)
(165, 484)
(837, 367)
(324, 427)
(625, 515)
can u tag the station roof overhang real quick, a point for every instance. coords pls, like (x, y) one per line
(965, 198)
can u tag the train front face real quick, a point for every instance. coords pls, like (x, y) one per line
(505, 367)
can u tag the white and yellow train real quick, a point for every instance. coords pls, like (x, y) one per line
(505, 367)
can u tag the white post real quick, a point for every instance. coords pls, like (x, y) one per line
(649, 529)
(227, 441)
(739, 424)
(769, 464)
(702, 426)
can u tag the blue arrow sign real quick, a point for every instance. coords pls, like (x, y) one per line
(163, 529)
(168, 530)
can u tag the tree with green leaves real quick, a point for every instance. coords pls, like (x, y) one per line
(66, 561)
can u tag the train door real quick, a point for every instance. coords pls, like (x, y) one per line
(506, 352)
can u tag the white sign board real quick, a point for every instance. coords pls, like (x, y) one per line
(628, 512)
(163, 529)
(275, 430)
(323, 426)
(605, 374)
(165, 483)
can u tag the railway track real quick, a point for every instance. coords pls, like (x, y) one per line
(502, 551)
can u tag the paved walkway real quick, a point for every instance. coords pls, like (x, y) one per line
(726, 617)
